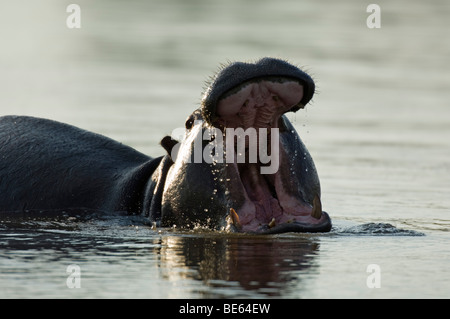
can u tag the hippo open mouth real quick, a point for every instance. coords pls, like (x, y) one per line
(269, 203)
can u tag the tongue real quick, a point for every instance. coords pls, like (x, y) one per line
(261, 193)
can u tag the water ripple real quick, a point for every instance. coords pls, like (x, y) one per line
(378, 229)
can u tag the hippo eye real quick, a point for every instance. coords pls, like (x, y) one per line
(275, 98)
(189, 123)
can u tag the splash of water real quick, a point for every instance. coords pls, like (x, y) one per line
(378, 229)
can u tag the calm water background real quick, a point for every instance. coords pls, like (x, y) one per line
(378, 129)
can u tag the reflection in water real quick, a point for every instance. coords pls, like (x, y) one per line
(118, 258)
(263, 264)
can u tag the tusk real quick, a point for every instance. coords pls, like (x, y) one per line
(272, 223)
(317, 208)
(235, 219)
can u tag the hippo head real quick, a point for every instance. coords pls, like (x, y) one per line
(241, 166)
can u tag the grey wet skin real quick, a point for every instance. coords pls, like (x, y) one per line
(50, 166)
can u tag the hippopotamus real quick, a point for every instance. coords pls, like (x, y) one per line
(202, 180)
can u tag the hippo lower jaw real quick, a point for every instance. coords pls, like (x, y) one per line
(298, 227)
(269, 208)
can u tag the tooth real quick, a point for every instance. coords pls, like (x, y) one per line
(235, 219)
(272, 223)
(317, 208)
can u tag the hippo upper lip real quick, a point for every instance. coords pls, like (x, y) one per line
(259, 103)
(237, 73)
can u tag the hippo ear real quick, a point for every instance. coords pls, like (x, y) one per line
(171, 146)
(168, 143)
